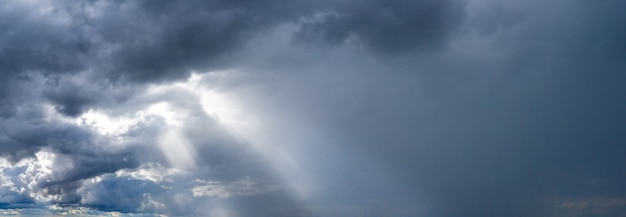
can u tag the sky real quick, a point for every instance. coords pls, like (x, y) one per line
(236, 108)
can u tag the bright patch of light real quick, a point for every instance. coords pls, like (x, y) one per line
(174, 103)
(220, 212)
(164, 109)
(151, 172)
(243, 187)
(177, 149)
(221, 108)
(245, 124)
(104, 124)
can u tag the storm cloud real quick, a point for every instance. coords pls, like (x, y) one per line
(313, 108)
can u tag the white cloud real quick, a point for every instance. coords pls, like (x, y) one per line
(242, 187)
(47, 167)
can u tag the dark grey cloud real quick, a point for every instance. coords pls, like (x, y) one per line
(126, 41)
(35, 42)
(515, 117)
(454, 108)
(159, 41)
(112, 194)
(389, 27)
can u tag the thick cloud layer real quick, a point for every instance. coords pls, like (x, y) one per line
(313, 108)
(387, 26)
